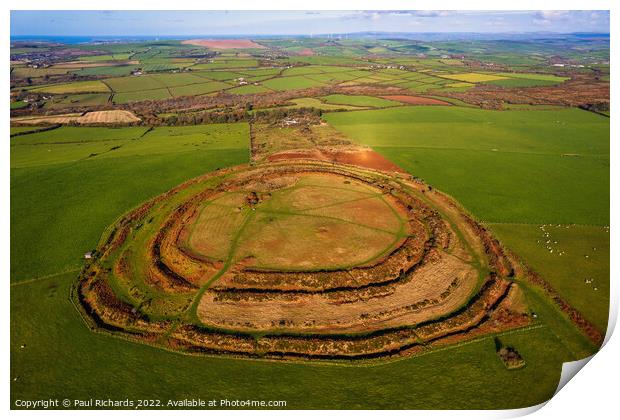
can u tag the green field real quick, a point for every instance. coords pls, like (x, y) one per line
(384, 62)
(90, 86)
(248, 89)
(41, 72)
(517, 166)
(301, 71)
(104, 57)
(121, 70)
(16, 130)
(126, 170)
(18, 104)
(166, 85)
(227, 64)
(289, 83)
(143, 95)
(573, 258)
(332, 78)
(515, 170)
(338, 60)
(198, 89)
(219, 75)
(535, 76)
(96, 190)
(70, 144)
(45, 321)
(159, 83)
(176, 79)
(518, 82)
(317, 103)
(79, 135)
(79, 100)
(134, 83)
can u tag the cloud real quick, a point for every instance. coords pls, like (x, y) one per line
(551, 15)
(290, 22)
(414, 13)
(377, 14)
(496, 22)
(431, 13)
(598, 15)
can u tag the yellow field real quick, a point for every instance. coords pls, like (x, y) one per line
(473, 77)
(459, 84)
(90, 86)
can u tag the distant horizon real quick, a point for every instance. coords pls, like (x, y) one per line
(413, 36)
(152, 23)
(316, 35)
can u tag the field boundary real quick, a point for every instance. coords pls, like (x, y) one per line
(36, 130)
(46, 277)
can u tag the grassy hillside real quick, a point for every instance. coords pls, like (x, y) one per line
(518, 166)
(573, 258)
(360, 100)
(58, 211)
(515, 170)
(68, 184)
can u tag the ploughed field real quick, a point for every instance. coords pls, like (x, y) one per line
(307, 259)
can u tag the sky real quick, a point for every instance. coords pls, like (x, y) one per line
(222, 23)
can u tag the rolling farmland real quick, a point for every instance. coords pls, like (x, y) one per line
(330, 221)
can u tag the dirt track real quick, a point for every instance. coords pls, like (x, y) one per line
(366, 158)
